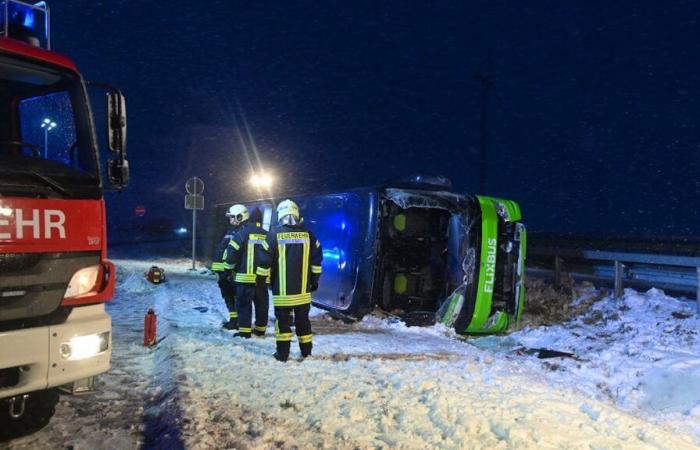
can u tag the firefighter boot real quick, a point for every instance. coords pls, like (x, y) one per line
(282, 353)
(305, 349)
(232, 323)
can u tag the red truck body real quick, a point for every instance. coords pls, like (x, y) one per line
(54, 273)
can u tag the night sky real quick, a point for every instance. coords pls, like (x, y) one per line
(593, 116)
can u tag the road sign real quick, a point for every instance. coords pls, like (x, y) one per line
(194, 202)
(194, 186)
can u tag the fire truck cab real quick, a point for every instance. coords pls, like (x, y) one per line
(54, 272)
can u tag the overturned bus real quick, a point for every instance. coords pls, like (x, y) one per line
(415, 249)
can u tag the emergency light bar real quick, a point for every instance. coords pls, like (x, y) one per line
(25, 22)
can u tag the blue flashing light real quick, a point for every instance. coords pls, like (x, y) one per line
(342, 225)
(181, 231)
(20, 14)
(25, 22)
(331, 254)
(29, 19)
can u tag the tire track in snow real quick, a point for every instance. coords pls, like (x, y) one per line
(162, 412)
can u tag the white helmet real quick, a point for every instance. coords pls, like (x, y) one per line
(288, 213)
(239, 213)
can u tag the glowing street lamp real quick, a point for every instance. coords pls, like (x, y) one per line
(47, 125)
(261, 181)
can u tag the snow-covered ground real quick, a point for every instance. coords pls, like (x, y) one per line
(634, 380)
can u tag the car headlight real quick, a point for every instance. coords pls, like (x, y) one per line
(83, 347)
(83, 281)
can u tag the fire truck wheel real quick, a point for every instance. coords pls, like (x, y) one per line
(39, 409)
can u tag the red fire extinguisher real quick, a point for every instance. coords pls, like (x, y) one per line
(149, 328)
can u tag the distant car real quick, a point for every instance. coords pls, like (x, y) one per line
(409, 246)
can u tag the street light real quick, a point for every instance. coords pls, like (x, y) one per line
(261, 180)
(47, 125)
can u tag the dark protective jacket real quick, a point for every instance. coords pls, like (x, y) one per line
(241, 253)
(293, 259)
(219, 261)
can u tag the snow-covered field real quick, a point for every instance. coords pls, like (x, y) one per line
(634, 380)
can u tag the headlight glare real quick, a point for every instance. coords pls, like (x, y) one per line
(83, 347)
(83, 281)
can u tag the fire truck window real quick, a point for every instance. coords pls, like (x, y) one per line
(47, 122)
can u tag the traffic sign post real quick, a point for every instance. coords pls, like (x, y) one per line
(194, 186)
(194, 200)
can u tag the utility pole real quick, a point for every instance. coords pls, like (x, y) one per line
(486, 81)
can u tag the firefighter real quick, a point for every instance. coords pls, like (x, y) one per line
(250, 288)
(293, 259)
(226, 284)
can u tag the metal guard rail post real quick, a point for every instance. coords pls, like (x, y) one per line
(672, 266)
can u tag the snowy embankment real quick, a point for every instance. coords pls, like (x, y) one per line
(634, 381)
(640, 353)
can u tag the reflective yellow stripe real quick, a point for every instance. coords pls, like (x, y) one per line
(263, 272)
(282, 263)
(233, 315)
(245, 278)
(265, 246)
(306, 295)
(284, 337)
(229, 266)
(253, 240)
(316, 269)
(305, 268)
(218, 267)
(305, 339)
(233, 244)
(244, 329)
(251, 252)
(291, 300)
(263, 329)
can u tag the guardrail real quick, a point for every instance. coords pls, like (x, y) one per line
(671, 264)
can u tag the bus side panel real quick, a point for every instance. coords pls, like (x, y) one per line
(341, 223)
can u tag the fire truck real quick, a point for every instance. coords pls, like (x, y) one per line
(54, 274)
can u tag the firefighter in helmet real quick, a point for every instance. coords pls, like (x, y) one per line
(224, 270)
(250, 289)
(293, 259)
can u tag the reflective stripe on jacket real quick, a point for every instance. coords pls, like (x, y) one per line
(221, 251)
(293, 260)
(242, 253)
